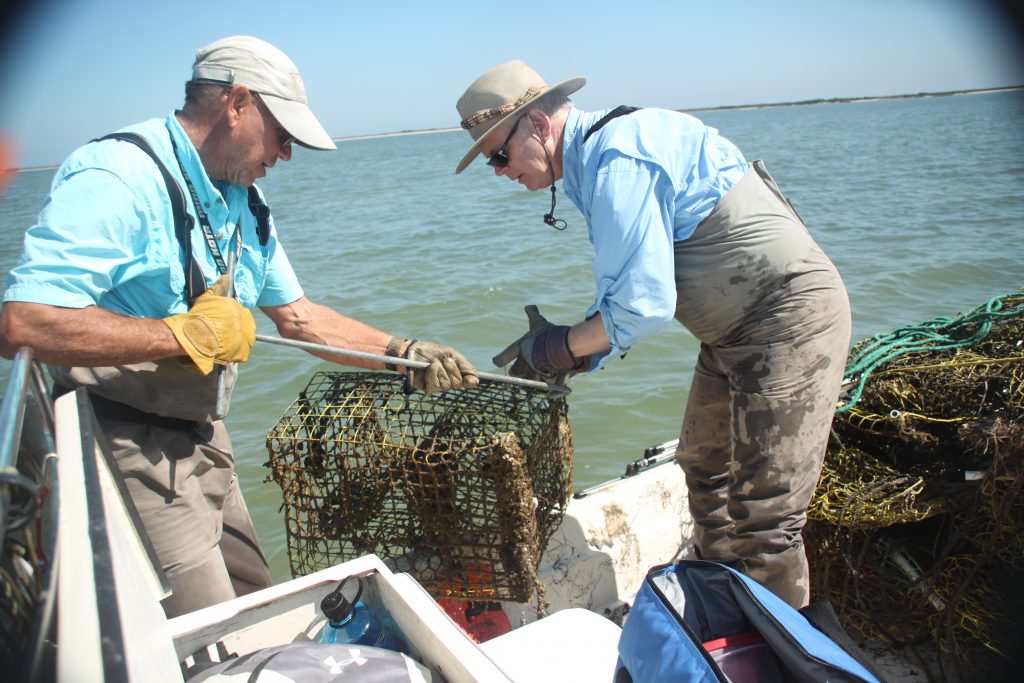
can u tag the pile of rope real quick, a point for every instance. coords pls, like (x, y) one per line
(461, 489)
(917, 526)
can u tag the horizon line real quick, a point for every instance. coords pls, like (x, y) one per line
(726, 107)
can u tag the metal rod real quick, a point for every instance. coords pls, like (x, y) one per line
(12, 413)
(351, 353)
(12, 417)
(222, 390)
(653, 457)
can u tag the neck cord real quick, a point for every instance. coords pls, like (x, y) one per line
(549, 217)
(204, 222)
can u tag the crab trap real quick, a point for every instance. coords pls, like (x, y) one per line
(461, 489)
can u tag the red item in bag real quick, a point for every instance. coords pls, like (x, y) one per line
(745, 658)
(481, 620)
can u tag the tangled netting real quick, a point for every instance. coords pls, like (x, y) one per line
(917, 526)
(462, 489)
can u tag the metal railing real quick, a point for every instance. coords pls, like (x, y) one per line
(26, 441)
(28, 532)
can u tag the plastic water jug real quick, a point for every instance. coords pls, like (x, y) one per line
(350, 620)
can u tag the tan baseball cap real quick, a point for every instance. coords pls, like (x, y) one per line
(501, 92)
(266, 70)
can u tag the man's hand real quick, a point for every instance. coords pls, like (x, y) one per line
(542, 353)
(448, 369)
(217, 329)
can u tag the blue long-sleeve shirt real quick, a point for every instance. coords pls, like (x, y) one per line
(643, 182)
(106, 237)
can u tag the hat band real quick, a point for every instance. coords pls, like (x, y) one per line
(482, 116)
(211, 73)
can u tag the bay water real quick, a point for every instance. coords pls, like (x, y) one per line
(919, 202)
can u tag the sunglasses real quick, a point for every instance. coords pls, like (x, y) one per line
(284, 138)
(499, 159)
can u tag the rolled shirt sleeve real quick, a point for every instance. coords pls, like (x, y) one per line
(86, 241)
(281, 285)
(630, 225)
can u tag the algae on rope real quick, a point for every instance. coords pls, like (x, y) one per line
(918, 517)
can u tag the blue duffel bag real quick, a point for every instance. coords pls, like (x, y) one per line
(705, 622)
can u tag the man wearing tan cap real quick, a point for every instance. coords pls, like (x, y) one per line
(684, 227)
(137, 283)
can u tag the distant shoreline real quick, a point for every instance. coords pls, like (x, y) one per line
(845, 100)
(830, 100)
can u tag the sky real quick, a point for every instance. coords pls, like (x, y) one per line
(71, 70)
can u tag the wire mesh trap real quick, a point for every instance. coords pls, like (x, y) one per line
(917, 525)
(462, 489)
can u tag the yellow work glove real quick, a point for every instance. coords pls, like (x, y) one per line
(448, 369)
(216, 330)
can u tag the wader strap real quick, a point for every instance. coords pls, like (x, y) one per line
(195, 282)
(621, 110)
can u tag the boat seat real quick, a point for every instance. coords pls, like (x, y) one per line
(571, 645)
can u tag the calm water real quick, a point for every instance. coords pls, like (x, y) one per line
(919, 202)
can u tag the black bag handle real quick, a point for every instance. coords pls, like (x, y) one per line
(823, 617)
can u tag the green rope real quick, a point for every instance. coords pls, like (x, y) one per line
(932, 335)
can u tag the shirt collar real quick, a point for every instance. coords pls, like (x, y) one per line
(572, 142)
(215, 204)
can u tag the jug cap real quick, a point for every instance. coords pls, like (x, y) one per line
(336, 606)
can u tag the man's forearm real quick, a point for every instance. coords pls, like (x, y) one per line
(589, 337)
(304, 320)
(89, 336)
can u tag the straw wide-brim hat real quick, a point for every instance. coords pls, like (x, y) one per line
(499, 93)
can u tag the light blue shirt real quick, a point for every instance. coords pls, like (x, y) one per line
(643, 182)
(105, 236)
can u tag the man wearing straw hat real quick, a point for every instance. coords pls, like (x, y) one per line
(137, 283)
(683, 226)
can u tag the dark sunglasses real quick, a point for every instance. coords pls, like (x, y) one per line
(499, 159)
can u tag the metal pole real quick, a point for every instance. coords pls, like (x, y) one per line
(12, 413)
(222, 392)
(351, 353)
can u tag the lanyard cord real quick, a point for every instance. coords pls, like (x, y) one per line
(549, 217)
(204, 222)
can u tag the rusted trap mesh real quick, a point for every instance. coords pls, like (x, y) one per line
(917, 524)
(461, 489)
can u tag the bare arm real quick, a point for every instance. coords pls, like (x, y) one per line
(89, 336)
(304, 320)
(589, 337)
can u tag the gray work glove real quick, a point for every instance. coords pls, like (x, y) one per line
(448, 369)
(542, 353)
